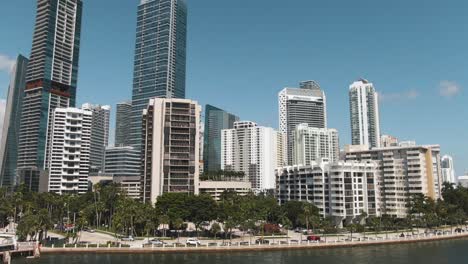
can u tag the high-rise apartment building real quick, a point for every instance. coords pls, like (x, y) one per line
(215, 120)
(11, 124)
(99, 135)
(313, 144)
(364, 113)
(171, 147)
(403, 171)
(252, 149)
(448, 169)
(51, 81)
(388, 141)
(122, 124)
(340, 190)
(160, 57)
(69, 156)
(306, 104)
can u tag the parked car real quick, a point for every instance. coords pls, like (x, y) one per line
(129, 238)
(313, 238)
(193, 242)
(459, 230)
(262, 241)
(157, 242)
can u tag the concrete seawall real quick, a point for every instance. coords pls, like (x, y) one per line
(302, 246)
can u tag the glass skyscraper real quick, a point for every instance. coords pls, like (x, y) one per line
(160, 57)
(51, 82)
(11, 124)
(122, 124)
(215, 120)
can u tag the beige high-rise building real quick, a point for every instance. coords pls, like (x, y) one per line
(170, 147)
(404, 171)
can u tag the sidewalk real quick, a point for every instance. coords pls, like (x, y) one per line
(246, 246)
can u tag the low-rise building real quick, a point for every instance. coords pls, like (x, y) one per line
(217, 188)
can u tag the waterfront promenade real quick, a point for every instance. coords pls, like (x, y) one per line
(277, 244)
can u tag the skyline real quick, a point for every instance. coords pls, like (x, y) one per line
(207, 67)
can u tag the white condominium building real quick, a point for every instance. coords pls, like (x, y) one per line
(404, 171)
(364, 112)
(448, 169)
(306, 104)
(253, 150)
(68, 160)
(341, 190)
(171, 147)
(312, 144)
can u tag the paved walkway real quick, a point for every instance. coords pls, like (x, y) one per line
(280, 244)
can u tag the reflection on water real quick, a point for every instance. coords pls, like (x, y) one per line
(440, 252)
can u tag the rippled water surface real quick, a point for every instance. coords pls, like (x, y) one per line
(441, 252)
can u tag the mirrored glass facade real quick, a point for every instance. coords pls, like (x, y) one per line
(160, 57)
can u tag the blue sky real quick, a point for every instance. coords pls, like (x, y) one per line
(242, 53)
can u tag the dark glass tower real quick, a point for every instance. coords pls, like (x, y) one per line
(122, 124)
(11, 124)
(50, 82)
(215, 120)
(160, 57)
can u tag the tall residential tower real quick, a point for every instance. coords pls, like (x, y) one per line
(364, 112)
(254, 150)
(171, 148)
(160, 57)
(307, 105)
(51, 81)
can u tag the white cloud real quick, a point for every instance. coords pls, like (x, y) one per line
(2, 115)
(449, 88)
(6, 63)
(400, 96)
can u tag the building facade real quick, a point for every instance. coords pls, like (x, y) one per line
(160, 57)
(69, 156)
(216, 188)
(215, 121)
(448, 170)
(171, 153)
(364, 113)
(312, 144)
(404, 171)
(251, 149)
(307, 105)
(124, 161)
(99, 135)
(11, 124)
(387, 141)
(122, 124)
(340, 190)
(51, 81)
